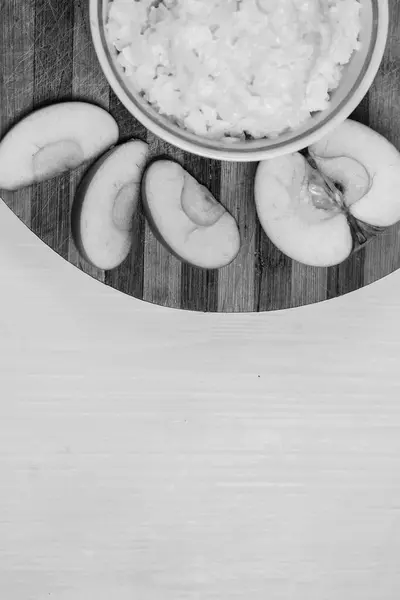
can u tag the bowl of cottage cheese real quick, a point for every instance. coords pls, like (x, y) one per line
(240, 80)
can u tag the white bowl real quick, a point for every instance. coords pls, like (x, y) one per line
(356, 80)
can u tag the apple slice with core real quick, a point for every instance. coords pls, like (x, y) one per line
(186, 217)
(105, 203)
(52, 140)
(370, 165)
(297, 213)
(317, 209)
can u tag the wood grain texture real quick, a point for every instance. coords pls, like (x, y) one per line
(53, 76)
(47, 55)
(383, 254)
(154, 454)
(129, 277)
(236, 282)
(88, 84)
(17, 43)
(200, 286)
(162, 270)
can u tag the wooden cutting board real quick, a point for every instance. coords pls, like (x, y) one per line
(47, 55)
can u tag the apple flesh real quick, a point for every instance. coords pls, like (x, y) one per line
(186, 217)
(52, 140)
(370, 165)
(300, 221)
(105, 204)
(317, 209)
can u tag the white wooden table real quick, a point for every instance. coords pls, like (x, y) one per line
(148, 454)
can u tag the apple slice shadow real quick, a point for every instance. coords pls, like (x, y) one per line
(75, 213)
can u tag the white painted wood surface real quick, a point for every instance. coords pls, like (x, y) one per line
(150, 454)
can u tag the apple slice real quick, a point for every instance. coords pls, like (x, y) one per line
(105, 203)
(298, 214)
(186, 217)
(367, 167)
(347, 189)
(52, 140)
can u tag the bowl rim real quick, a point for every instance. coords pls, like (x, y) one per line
(179, 139)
